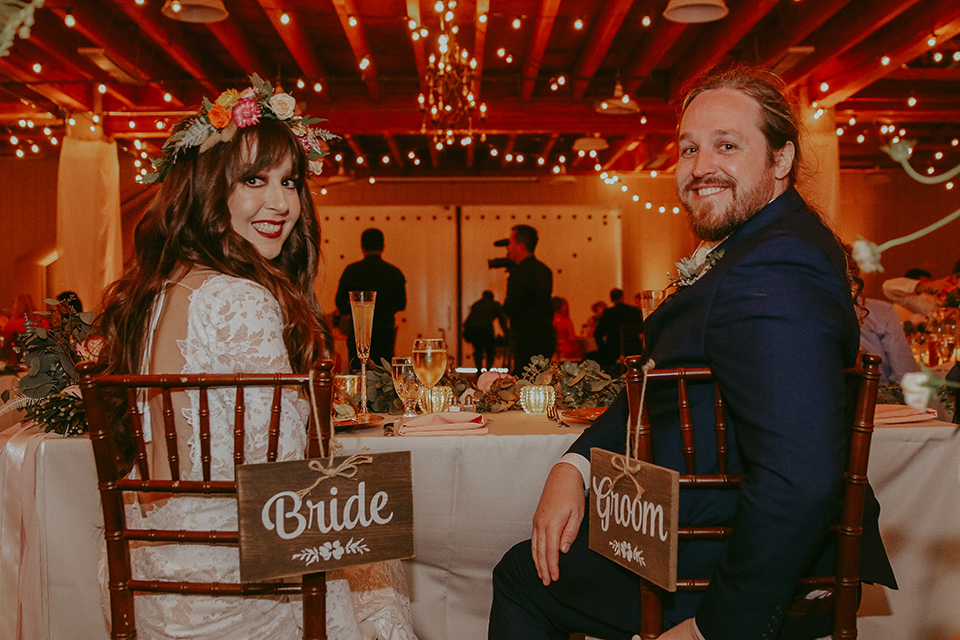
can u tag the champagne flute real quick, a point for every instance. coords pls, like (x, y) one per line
(429, 363)
(407, 385)
(361, 308)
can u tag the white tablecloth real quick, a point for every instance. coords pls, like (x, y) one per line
(474, 497)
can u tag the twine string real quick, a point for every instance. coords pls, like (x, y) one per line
(627, 465)
(346, 469)
(627, 469)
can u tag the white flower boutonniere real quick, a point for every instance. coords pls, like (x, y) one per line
(691, 269)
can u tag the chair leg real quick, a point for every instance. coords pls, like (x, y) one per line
(651, 612)
(315, 606)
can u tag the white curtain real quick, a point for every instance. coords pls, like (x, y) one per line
(88, 219)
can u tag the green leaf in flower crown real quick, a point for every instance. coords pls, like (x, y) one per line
(41, 333)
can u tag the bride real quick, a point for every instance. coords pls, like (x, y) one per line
(222, 281)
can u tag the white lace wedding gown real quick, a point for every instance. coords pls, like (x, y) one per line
(234, 325)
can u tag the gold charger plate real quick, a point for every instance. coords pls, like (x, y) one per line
(368, 420)
(587, 414)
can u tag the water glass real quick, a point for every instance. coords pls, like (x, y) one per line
(407, 384)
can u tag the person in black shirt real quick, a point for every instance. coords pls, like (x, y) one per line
(617, 322)
(478, 329)
(528, 304)
(373, 274)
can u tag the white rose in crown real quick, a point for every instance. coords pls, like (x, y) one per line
(867, 256)
(283, 105)
(316, 166)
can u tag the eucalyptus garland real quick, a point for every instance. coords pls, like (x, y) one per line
(577, 386)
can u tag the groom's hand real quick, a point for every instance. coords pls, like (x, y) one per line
(557, 519)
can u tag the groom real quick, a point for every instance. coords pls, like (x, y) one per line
(770, 312)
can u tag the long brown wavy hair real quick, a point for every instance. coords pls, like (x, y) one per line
(187, 225)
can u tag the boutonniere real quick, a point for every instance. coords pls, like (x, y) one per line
(691, 269)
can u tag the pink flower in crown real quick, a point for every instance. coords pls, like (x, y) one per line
(246, 112)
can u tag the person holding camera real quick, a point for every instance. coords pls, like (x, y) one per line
(528, 304)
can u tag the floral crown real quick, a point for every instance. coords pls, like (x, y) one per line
(218, 122)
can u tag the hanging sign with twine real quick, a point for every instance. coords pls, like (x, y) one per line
(307, 516)
(634, 507)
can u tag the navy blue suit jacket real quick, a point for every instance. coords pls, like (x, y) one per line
(773, 319)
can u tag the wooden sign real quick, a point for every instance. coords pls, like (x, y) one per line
(291, 524)
(635, 523)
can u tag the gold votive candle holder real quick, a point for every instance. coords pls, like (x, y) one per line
(537, 398)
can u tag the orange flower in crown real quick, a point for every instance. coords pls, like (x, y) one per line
(218, 122)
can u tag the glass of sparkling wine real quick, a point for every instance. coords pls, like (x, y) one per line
(361, 308)
(429, 363)
(407, 385)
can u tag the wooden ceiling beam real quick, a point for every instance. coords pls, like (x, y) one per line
(541, 36)
(347, 11)
(394, 149)
(231, 35)
(60, 97)
(548, 145)
(663, 35)
(628, 144)
(712, 49)
(172, 41)
(863, 66)
(788, 26)
(508, 149)
(601, 36)
(298, 44)
(352, 143)
(419, 50)
(848, 28)
(540, 117)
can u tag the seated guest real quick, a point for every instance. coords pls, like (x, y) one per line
(774, 320)
(881, 333)
(222, 281)
(609, 331)
(912, 303)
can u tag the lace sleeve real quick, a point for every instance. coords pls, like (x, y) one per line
(235, 326)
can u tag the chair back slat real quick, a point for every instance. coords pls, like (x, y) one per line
(102, 396)
(203, 413)
(686, 426)
(720, 428)
(273, 433)
(136, 427)
(170, 433)
(239, 414)
(848, 530)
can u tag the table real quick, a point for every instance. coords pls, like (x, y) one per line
(474, 497)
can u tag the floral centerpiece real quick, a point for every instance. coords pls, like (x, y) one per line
(51, 350)
(576, 385)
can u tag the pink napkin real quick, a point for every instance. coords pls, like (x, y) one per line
(896, 414)
(449, 423)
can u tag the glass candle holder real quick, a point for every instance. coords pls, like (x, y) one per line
(537, 398)
(436, 399)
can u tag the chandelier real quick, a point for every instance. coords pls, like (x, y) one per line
(449, 103)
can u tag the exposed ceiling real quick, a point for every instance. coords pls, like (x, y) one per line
(830, 51)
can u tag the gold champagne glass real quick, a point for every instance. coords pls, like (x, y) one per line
(407, 385)
(361, 308)
(429, 363)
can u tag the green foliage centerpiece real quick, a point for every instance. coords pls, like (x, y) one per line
(51, 350)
